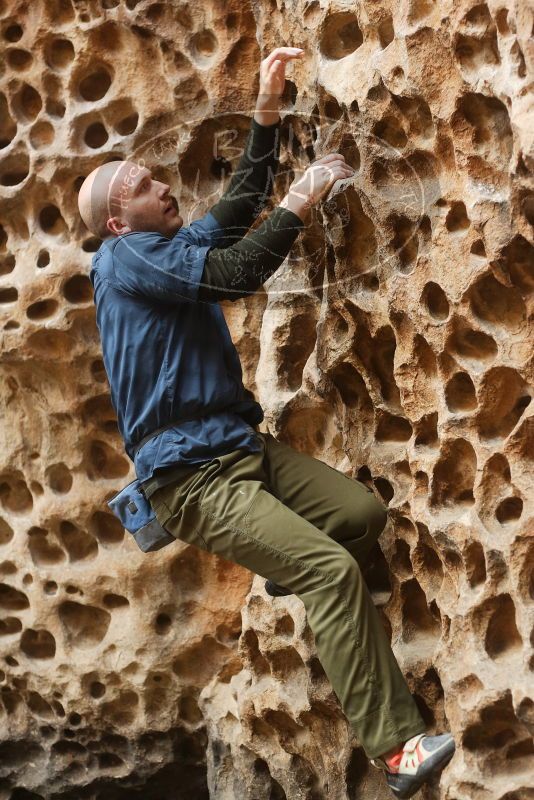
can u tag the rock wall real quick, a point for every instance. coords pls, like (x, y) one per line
(394, 344)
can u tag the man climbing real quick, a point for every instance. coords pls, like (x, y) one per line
(190, 426)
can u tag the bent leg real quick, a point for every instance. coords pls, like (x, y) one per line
(231, 512)
(343, 508)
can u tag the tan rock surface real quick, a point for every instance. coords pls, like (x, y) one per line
(395, 344)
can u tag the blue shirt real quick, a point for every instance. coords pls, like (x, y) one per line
(166, 354)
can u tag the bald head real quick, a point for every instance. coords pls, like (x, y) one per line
(100, 193)
(121, 196)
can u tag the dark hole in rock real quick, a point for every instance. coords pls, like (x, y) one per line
(95, 85)
(96, 135)
(436, 301)
(341, 35)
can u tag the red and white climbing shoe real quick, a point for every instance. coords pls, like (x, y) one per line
(418, 760)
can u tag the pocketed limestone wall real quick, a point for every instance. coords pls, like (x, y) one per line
(395, 344)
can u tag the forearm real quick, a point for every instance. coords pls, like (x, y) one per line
(242, 268)
(252, 183)
(297, 202)
(266, 112)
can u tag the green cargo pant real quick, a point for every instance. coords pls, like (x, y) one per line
(304, 525)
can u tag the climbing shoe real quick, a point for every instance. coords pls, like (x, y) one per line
(418, 761)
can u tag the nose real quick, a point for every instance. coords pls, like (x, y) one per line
(164, 189)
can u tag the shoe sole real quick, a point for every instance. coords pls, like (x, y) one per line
(436, 766)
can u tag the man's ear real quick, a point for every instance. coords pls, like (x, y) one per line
(117, 227)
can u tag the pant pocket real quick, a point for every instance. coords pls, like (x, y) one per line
(182, 525)
(177, 508)
(161, 510)
(189, 535)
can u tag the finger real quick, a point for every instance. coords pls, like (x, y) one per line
(336, 164)
(335, 174)
(340, 175)
(327, 171)
(331, 157)
(341, 167)
(283, 53)
(339, 162)
(285, 61)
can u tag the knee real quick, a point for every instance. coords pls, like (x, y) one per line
(344, 568)
(365, 519)
(376, 518)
